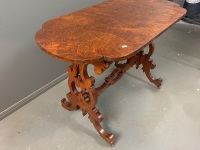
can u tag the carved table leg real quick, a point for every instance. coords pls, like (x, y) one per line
(85, 98)
(148, 64)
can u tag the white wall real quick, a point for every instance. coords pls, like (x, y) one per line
(25, 68)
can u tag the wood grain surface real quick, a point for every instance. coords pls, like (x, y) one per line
(112, 31)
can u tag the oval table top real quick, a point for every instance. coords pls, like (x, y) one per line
(111, 31)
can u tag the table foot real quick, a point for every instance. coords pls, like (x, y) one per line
(68, 105)
(148, 64)
(96, 118)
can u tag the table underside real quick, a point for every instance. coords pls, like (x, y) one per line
(87, 98)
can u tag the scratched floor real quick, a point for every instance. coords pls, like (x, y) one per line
(141, 116)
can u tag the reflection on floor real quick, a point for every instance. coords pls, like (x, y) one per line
(141, 116)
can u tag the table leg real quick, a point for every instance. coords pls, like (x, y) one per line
(85, 98)
(148, 64)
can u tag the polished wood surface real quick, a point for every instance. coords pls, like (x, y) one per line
(111, 31)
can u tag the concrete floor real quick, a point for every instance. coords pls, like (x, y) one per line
(141, 116)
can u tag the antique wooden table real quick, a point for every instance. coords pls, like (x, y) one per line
(103, 34)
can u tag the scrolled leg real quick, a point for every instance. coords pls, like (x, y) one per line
(85, 98)
(71, 104)
(148, 64)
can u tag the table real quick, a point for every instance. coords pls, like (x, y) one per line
(110, 32)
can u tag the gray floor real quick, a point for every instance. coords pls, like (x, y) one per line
(141, 116)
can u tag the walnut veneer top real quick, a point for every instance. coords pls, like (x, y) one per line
(113, 30)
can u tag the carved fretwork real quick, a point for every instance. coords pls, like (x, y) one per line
(86, 98)
(101, 66)
(139, 59)
(116, 74)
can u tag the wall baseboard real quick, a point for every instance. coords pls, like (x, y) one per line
(32, 96)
